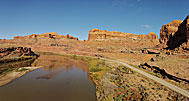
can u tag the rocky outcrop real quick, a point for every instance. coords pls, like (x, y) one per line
(169, 30)
(49, 35)
(14, 52)
(162, 72)
(175, 34)
(96, 34)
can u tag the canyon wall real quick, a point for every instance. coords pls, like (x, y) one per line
(169, 30)
(96, 34)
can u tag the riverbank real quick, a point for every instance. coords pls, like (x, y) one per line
(117, 82)
(15, 62)
(9, 76)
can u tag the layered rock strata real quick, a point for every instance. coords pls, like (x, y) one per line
(175, 34)
(96, 34)
(49, 35)
(15, 52)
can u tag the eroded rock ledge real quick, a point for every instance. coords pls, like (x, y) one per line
(13, 58)
(14, 54)
(96, 34)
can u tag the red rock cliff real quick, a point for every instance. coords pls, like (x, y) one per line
(96, 34)
(175, 34)
(49, 35)
(169, 30)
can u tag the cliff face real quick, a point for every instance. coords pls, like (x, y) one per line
(96, 34)
(49, 35)
(169, 30)
(175, 34)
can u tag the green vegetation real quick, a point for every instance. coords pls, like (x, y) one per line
(46, 53)
(97, 65)
(108, 98)
(95, 69)
(21, 69)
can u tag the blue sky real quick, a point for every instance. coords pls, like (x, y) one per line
(77, 17)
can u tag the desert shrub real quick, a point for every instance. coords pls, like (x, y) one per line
(108, 98)
(95, 69)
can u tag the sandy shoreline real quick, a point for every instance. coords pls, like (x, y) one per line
(10, 76)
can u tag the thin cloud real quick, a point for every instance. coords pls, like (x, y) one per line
(116, 3)
(146, 26)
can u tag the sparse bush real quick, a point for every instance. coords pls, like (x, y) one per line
(74, 56)
(95, 69)
(108, 98)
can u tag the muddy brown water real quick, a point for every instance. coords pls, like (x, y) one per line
(61, 79)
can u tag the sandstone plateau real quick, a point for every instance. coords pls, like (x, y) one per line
(49, 35)
(96, 34)
(175, 34)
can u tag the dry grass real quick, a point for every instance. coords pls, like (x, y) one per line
(175, 65)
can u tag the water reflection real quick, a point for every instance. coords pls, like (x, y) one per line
(12, 66)
(61, 79)
(58, 64)
(53, 62)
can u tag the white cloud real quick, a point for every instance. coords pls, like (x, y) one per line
(147, 26)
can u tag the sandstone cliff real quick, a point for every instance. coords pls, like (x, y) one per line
(169, 30)
(175, 34)
(96, 34)
(49, 35)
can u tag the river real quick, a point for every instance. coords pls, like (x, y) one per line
(60, 79)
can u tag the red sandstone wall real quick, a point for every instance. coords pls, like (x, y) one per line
(96, 34)
(179, 37)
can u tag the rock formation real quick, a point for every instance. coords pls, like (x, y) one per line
(96, 34)
(169, 30)
(14, 52)
(175, 34)
(49, 35)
